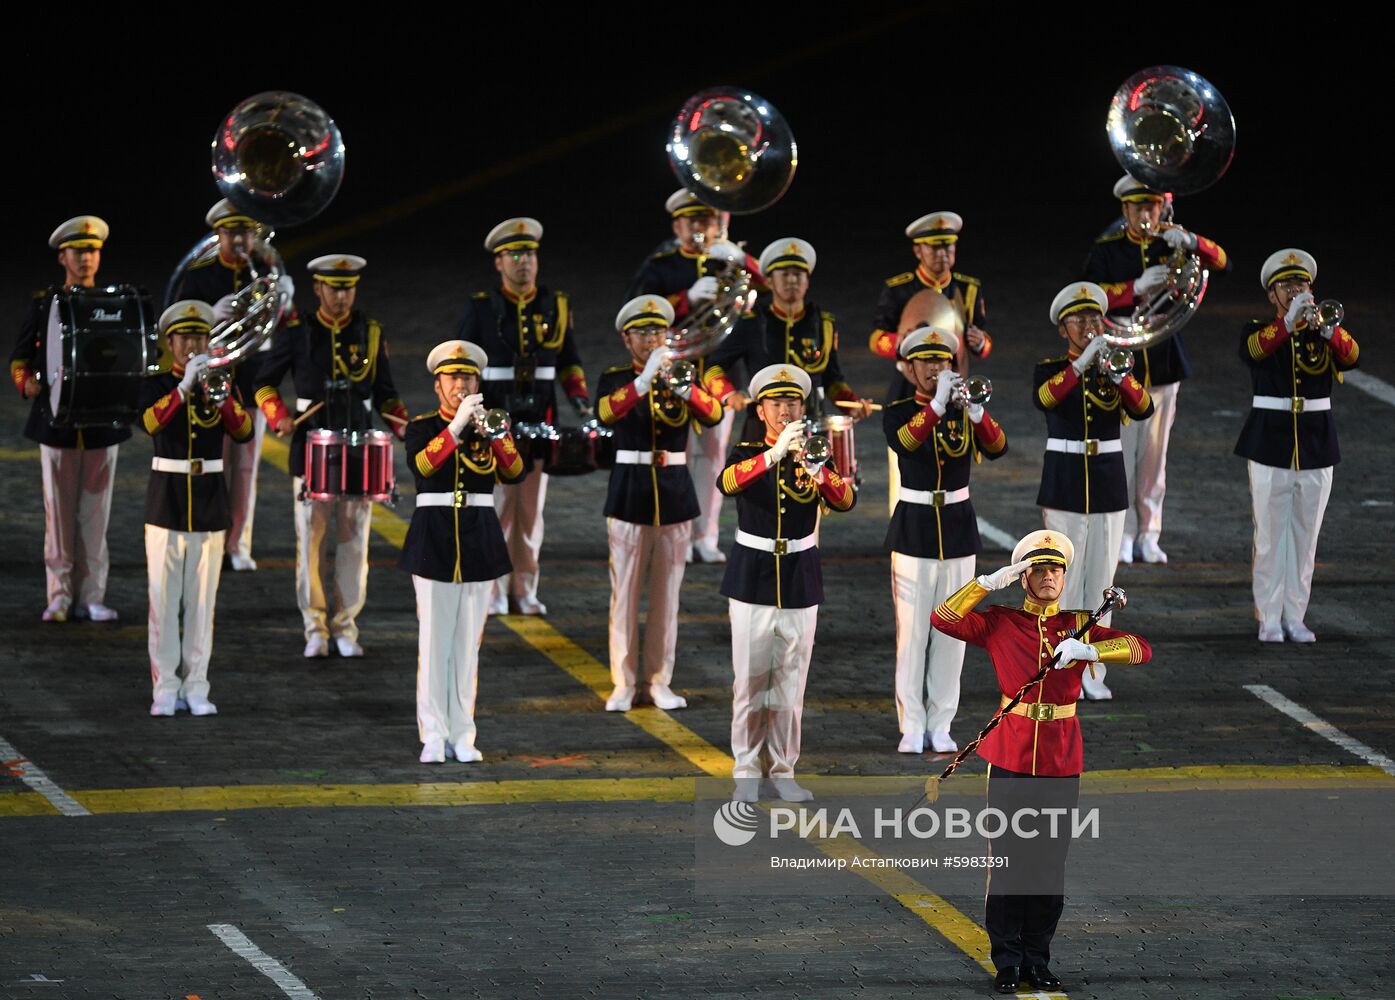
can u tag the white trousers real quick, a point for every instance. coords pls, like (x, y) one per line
(1096, 540)
(659, 553)
(707, 457)
(450, 620)
(1288, 507)
(1145, 461)
(77, 505)
(240, 463)
(331, 563)
(183, 567)
(770, 652)
(520, 510)
(927, 662)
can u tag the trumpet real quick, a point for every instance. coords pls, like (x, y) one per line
(1325, 315)
(491, 423)
(679, 375)
(972, 391)
(1114, 363)
(813, 448)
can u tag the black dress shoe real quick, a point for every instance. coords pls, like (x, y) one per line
(1006, 979)
(1041, 977)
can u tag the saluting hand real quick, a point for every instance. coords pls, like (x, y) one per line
(1004, 577)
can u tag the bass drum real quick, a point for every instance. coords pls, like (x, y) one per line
(101, 344)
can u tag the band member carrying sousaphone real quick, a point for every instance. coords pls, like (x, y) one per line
(528, 331)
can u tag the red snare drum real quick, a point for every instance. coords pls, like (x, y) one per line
(324, 465)
(369, 466)
(838, 428)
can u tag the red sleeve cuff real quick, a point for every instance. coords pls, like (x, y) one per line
(618, 403)
(437, 452)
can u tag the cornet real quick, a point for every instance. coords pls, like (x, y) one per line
(1114, 363)
(813, 448)
(1325, 315)
(492, 423)
(678, 375)
(972, 391)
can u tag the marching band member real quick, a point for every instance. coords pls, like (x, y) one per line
(186, 510)
(651, 503)
(783, 329)
(1290, 439)
(773, 582)
(454, 548)
(1083, 492)
(79, 465)
(1128, 263)
(337, 358)
(933, 535)
(1038, 739)
(686, 276)
(529, 333)
(217, 280)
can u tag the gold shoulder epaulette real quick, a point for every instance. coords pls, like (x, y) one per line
(619, 368)
(965, 278)
(899, 402)
(199, 264)
(1111, 237)
(900, 279)
(1051, 361)
(828, 317)
(663, 253)
(480, 295)
(750, 444)
(426, 416)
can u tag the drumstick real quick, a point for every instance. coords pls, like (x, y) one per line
(301, 419)
(394, 418)
(848, 404)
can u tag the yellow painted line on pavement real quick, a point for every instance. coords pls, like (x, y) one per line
(19, 454)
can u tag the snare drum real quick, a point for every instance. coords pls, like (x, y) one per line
(101, 344)
(838, 428)
(324, 464)
(573, 452)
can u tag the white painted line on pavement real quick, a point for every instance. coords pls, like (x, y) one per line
(1366, 382)
(1322, 727)
(262, 962)
(997, 536)
(28, 772)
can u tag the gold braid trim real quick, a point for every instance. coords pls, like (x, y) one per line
(1122, 649)
(962, 601)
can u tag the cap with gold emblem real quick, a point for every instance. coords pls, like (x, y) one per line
(937, 227)
(684, 202)
(338, 270)
(644, 311)
(784, 380)
(1289, 263)
(788, 252)
(1127, 188)
(1044, 546)
(929, 343)
(226, 215)
(1078, 297)
(456, 357)
(521, 233)
(83, 232)
(187, 316)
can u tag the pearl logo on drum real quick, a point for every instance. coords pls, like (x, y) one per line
(100, 315)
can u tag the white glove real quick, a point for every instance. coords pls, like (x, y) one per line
(1087, 356)
(1297, 310)
(976, 413)
(1179, 239)
(284, 283)
(1005, 576)
(792, 433)
(1151, 279)
(465, 413)
(656, 360)
(727, 251)
(944, 385)
(1070, 650)
(223, 308)
(703, 290)
(191, 373)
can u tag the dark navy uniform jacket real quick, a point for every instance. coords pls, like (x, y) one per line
(189, 430)
(966, 294)
(1087, 409)
(937, 453)
(768, 336)
(1293, 366)
(457, 544)
(656, 422)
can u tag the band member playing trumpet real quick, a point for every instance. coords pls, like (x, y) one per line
(529, 333)
(1085, 395)
(784, 329)
(217, 280)
(1290, 437)
(651, 502)
(186, 510)
(1036, 753)
(1128, 262)
(937, 434)
(774, 582)
(79, 466)
(338, 361)
(455, 548)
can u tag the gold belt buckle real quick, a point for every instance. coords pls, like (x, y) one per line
(781, 546)
(937, 498)
(1041, 711)
(660, 459)
(196, 467)
(1092, 446)
(1297, 404)
(459, 498)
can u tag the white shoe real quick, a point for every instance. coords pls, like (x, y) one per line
(747, 790)
(707, 552)
(1126, 549)
(317, 646)
(499, 604)
(464, 752)
(620, 700)
(162, 706)
(663, 697)
(57, 611)
(242, 564)
(347, 647)
(95, 612)
(531, 606)
(1270, 633)
(943, 743)
(433, 752)
(912, 743)
(1148, 548)
(1095, 690)
(202, 706)
(788, 790)
(1298, 632)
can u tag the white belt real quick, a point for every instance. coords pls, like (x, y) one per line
(196, 467)
(1090, 446)
(932, 498)
(779, 546)
(1292, 404)
(455, 499)
(659, 458)
(507, 374)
